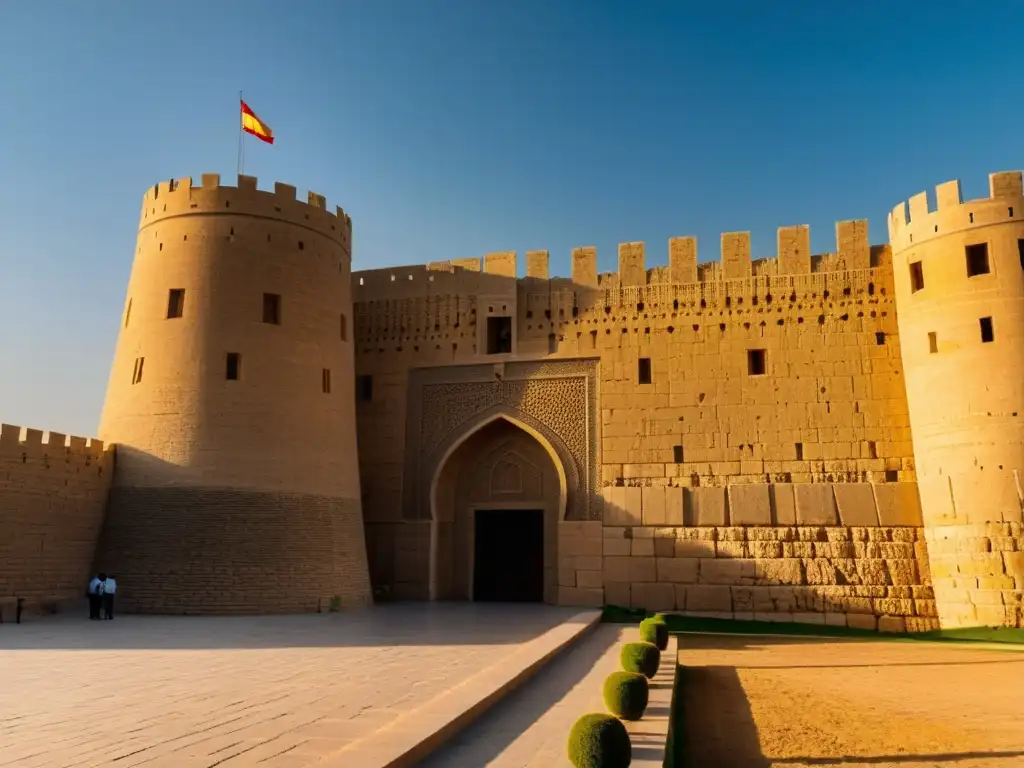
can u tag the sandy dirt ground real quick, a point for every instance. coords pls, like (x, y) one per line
(760, 702)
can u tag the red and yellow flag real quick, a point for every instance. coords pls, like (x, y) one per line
(255, 126)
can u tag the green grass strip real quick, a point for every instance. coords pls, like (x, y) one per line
(618, 615)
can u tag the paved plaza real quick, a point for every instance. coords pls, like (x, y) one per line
(270, 692)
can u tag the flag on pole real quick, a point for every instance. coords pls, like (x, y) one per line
(255, 126)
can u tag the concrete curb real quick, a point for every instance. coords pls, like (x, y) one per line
(417, 734)
(649, 734)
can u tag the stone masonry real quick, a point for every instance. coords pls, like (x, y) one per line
(828, 437)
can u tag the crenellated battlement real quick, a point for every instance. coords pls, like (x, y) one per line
(180, 197)
(27, 444)
(951, 214)
(491, 274)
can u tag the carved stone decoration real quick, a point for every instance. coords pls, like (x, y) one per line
(506, 476)
(555, 398)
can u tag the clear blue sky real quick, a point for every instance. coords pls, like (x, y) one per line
(450, 128)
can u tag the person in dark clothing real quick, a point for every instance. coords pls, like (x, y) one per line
(95, 596)
(109, 590)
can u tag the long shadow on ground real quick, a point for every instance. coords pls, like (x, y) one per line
(718, 729)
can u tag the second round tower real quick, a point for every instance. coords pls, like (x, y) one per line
(231, 401)
(959, 277)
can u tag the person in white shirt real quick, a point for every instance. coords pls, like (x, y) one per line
(109, 587)
(95, 597)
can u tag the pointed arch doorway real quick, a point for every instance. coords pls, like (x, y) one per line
(496, 498)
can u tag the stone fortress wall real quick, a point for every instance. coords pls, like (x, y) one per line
(729, 438)
(53, 493)
(751, 413)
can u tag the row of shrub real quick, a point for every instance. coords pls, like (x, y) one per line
(600, 740)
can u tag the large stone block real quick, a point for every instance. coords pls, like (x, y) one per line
(705, 507)
(815, 504)
(783, 501)
(622, 506)
(899, 504)
(642, 547)
(695, 548)
(677, 570)
(856, 504)
(653, 597)
(707, 598)
(726, 571)
(643, 569)
(617, 593)
(673, 506)
(616, 569)
(787, 570)
(653, 506)
(750, 504)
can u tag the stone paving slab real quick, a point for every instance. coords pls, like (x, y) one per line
(529, 729)
(271, 692)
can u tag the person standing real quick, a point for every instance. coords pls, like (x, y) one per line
(95, 597)
(109, 590)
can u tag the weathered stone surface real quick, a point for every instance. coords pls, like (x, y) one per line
(750, 504)
(815, 504)
(677, 570)
(705, 507)
(856, 504)
(708, 598)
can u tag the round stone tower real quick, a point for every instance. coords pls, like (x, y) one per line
(231, 402)
(959, 275)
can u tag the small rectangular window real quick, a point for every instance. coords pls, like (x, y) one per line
(175, 303)
(1020, 253)
(933, 343)
(233, 368)
(326, 381)
(872, 449)
(799, 451)
(128, 311)
(364, 388)
(272, 308)
(499, 335)
(677, 454)
(916, 277)
(137, 373)
(987, 334)
(879, 337)
(643, 370)
(344, 329)
(977, 259)
(892, 476)
(756, 362)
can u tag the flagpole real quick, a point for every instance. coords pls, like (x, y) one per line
(241, 134)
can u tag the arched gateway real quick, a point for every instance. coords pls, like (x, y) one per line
(496, 498)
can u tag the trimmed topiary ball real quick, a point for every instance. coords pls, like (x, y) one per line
(641, 657)
(625, 694)
(656, 632)
(657, 617)
(599, 741)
